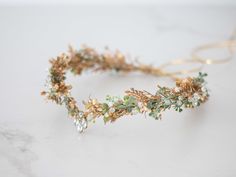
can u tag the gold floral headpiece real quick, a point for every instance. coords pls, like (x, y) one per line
(188, 92)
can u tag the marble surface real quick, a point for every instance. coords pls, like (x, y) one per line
(37, 139)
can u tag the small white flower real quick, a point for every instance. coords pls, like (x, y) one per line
(204, 89)
(81, 114)
(179, 103)
(177, 89)
(195, 103)
(135, 111)
(196, 96)
(180, 98)
(167, 102)
(112, 110)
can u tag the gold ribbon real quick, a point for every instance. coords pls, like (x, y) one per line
(195, 57)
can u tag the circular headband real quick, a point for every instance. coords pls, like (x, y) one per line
(188, 92)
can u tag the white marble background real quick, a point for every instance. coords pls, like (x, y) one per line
(37, 139)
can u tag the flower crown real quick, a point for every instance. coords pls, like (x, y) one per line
(187, 93)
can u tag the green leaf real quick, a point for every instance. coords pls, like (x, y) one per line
(105, 108)
(152, 104)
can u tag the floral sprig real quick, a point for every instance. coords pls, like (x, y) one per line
(188, 92)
